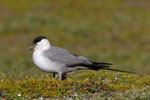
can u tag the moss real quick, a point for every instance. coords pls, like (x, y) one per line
(34, 87)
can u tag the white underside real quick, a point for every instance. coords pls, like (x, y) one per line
(47, 65)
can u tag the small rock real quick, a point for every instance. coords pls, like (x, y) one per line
(19, 95)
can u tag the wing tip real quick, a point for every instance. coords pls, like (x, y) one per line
(99, 63)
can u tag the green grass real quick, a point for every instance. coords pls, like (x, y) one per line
(117, 32)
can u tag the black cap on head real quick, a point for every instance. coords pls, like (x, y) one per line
(38, 39)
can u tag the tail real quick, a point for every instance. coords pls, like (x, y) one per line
(98, 66)
(106, 66)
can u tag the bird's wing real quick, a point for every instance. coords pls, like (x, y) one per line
(61, 55)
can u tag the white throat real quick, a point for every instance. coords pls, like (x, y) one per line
(44, 44)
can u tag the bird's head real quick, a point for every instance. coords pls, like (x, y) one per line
(40, 43)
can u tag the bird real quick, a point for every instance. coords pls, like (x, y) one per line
(60, 61)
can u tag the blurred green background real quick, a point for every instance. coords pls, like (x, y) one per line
(115, 31)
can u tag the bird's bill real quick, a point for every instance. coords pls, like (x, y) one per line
(31, 48)
(29, 44)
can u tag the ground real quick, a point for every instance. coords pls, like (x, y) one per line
(80, 84)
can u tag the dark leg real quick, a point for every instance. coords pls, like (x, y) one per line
(54, 75)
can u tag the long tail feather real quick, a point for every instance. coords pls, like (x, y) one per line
(106, 66)
(119, 70)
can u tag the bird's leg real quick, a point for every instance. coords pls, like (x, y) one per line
(62, 76)
(54, 75)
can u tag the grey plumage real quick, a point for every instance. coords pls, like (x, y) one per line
(61, 55)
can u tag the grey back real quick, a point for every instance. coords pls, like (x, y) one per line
(61, 55)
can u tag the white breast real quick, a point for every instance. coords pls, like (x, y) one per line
(45, 64)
